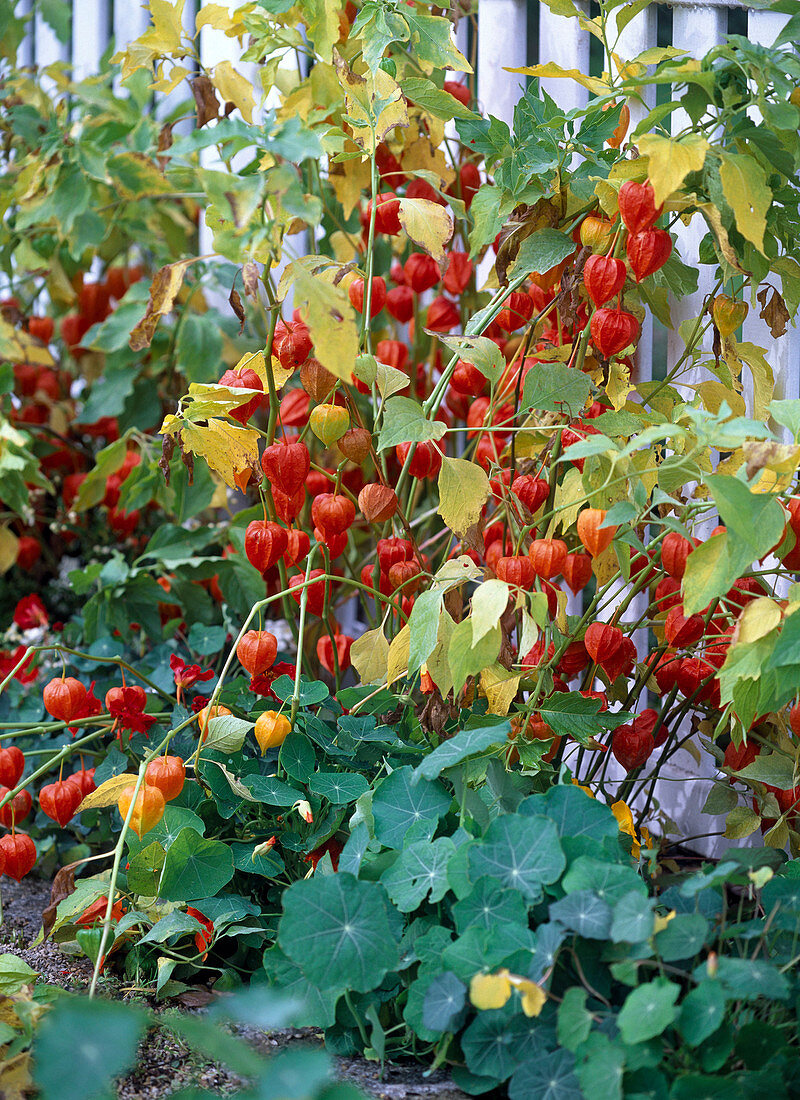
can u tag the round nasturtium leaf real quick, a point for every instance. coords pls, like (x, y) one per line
(337, 930)
(522, 853)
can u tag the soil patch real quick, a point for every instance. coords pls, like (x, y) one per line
(166, 1065)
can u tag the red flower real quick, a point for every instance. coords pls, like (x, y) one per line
(262, 685)
(30, 612)
(26, 674)
(186, 675)
(202, 939)
(332, 846)
(96, 912)
(126, 706)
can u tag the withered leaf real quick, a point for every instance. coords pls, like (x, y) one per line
(523, 221)
(235, 300)
(205, 98)
(163, 291)
(774, 311)
(63, 885)
(250, 279)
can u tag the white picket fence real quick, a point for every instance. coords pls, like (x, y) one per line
(503, 42)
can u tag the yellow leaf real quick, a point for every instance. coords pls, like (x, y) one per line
(348, 180)
(167, 84)
(744, 185)
(331, 320)
(428, 225)
(19, 347)
(422, 156)
(570, 497)
(671, 161)
(218, 17)
(227, 448)
(622, 813)
(714, 219)
(15, 1076)
(164, 37)
(369, 656)
(533, 997)
(9, 547)
(489, 601)
(619, 384)
(374, 105)
(662, 922)
(713, 393)
(257, 362)
(234, 88)
(487, 991)
(759, 618)
(763, 378)
(107, 793)
(399, 648)
(322, 17)
(593, 83)
(775, 463)
(605, 566)
(163, 292)
(500, 687)
(463, 491)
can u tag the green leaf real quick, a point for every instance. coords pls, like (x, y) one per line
(444, 1001)
(574, 1019)
(311, 691)
(338, 787)
(206, 640)
(423, 626)
(337, 930)
(522, 853)
(467, 659)
(748, 979)
(552, 1076)
(583, 823)
(227, 733)
(402, 801)
(266, 788)
(482, 352)
(317, 1007)
(633, 919)
(610, 881)
(542, 251)
(464, 744)
(600, 1068)
(101, 1037)
(583, 912)
(195, 867)
(425, 94)
(555, 387)
(775, 768)
(702, 1011)
(754, 522)
(419, 873)
(487, 905)
(14, 974)
(648, 1010)
(297, 757)
(144, 870)
(499, 1040)
(405, 422)
(432, 41)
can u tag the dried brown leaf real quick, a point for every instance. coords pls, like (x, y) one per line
(774, 311)
(205, 98)
(63, 885)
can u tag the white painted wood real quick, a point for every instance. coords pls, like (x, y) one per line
(502, 43)
(561, 40)
(639, 35)
(90, 36)
(47, 48)
(696, 30)
(25, 52)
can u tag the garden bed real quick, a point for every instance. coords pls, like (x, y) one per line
(164, 1063)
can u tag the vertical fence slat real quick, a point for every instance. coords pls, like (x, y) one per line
(502, 41)
(696, 30)
(25, 52)
(561, 40)
(90, 36)
(47, 47)
(783, 353)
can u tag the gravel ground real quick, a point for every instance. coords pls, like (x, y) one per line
(166, 1065)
